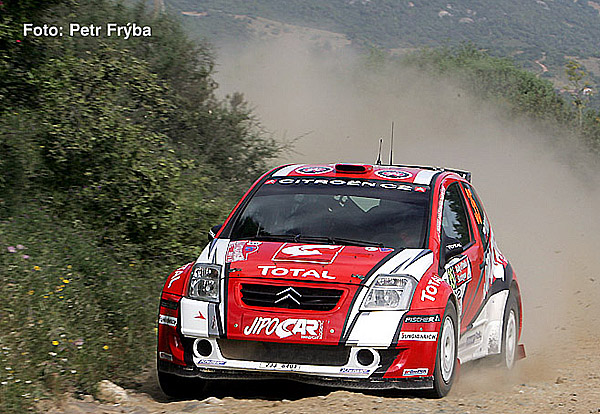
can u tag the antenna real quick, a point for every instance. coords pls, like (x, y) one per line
(379, 153)
(392, 144)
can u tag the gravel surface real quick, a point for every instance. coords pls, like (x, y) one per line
(561, 379)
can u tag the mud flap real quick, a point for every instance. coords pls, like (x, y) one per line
(521, 352)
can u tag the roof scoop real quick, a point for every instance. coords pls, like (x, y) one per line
(353, 168)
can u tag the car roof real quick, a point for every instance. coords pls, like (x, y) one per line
(420, 175)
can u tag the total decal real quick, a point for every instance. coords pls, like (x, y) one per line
(285, 328)
(177, 274)
(294, 272)
(429, 292)
(307, 253)
(458, 274)
(238, 251)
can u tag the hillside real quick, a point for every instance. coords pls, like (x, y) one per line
(539, 34)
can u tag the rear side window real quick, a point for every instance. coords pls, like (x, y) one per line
(455, 223)
(483, 224)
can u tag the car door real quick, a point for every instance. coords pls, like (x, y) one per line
(463, 269)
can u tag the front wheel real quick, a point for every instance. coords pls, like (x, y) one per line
(446, 356)
(510, 332)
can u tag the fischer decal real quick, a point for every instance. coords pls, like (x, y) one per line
(304, 328)
(422, 319)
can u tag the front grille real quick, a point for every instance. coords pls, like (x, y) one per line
(293, 297)
(333, 355)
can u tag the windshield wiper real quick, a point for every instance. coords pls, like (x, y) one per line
(314, 239)
(355, 242)
(337, 240)
(270, 237)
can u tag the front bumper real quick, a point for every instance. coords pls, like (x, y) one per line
(335, 366)
(337, 382)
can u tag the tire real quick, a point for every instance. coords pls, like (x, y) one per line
(446, 355)
(510, 332)
(180, 388)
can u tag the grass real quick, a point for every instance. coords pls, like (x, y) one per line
(73, 311)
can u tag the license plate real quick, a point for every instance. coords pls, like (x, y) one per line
(279, 366)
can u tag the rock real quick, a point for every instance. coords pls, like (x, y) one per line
(211, 400)
(87, 398)
(560, 380)
(109, 392)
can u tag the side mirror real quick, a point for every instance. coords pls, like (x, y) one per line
(213, 231)
(452, 250)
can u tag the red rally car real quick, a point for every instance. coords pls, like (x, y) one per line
(349, 275)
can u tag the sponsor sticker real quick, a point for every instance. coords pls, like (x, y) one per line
(422, 319)
(393, 174)
(307, 253)
(459, 273)
(339, 182)
(167, 320)
(418, 336)
(313, 170)
(354, 371)
(285, 328)
(238, 251)
(415, 372)
(210, 362)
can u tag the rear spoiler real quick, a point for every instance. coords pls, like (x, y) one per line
(464, 174)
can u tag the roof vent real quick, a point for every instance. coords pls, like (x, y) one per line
(353, 168)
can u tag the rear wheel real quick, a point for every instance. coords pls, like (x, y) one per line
(446, 356)
(178, 387)
(510, 332)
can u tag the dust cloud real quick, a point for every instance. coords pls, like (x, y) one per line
(539, 188)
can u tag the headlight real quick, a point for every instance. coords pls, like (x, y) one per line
(204, 282)
(390, 292)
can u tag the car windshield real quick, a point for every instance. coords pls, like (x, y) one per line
(337, 211)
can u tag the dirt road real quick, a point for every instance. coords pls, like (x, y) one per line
(552, 379)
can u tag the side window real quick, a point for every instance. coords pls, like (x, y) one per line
(455, 223)
(482, 223)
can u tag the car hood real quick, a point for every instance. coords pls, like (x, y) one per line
(303, 262)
